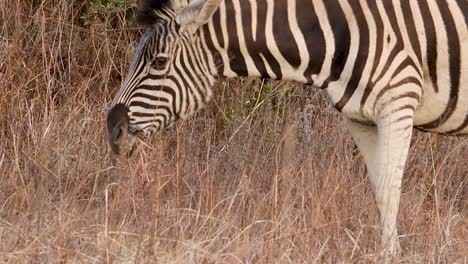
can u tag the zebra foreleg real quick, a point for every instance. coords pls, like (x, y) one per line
(367, 139)
(385, 150)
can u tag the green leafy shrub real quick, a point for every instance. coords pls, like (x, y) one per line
(117, 12)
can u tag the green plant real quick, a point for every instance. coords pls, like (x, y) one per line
(109, 10)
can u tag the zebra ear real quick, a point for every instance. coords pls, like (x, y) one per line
(196, 14)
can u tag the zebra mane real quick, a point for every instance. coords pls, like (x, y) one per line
(148, 12)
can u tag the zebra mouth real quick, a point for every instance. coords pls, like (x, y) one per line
(121, 135)
(127, 145)
(122, 142)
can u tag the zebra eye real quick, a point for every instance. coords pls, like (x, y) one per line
(159, 63)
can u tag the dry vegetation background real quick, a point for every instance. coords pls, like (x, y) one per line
(235, 184)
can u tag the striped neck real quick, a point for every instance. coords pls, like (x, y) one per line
(252, 38)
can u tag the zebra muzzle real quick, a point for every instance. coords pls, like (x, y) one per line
(123, 143)
(121, 140)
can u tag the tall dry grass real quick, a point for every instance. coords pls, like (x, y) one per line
(258, 177)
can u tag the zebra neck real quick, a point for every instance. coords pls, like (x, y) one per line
(270, 39)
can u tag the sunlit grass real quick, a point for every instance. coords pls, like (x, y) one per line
(260, 176)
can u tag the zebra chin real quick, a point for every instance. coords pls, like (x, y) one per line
(120, 137)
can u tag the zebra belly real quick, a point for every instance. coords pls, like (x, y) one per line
(432, 110)
(444, 103)
(445, 109)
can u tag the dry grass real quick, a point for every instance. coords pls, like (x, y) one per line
(252, 179)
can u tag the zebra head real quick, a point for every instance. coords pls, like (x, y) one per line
(170, 77)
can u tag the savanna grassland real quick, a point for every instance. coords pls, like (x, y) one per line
(265, 174)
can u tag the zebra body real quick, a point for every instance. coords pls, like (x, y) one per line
(387, 66)
(354, 50)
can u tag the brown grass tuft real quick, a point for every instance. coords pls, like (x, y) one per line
(256, 178)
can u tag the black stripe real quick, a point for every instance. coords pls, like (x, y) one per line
(399, 45)
(411, 28)
(283, 36)
(431, 40)
(340, 28)
(236, 60)
(165, 89)
(216, 18)
(405, 107)
(185, 86)
(150, 76)
(378, 48)
(463, 4)
(253, 47)
(312, 31)
(407, 80)
(261, 41)
(210, 45)
(200, 62)
(401, 96)
(156, 118)
(143, 104)
(133, 78)
(158, 124)
(388, 88)
(150, 97)
(163, 107)
(406, 117)
(200, 75)
(184, 60)
(455, 66)
(460, 128)
(408, 62)
(360, 63)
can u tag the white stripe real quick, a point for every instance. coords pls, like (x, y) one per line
(404, 32)
(461, 110)
(227, 72)
(251, 68)
(287, 70)
(419, 25)
(268, 68)
(254, 10)
(387, 47)
(365, 76)
(226, 60)
(194, 75)
(434, 104)
(212, 66)
(139, 109)
(298, 37)
(336, 89)
(188, 93)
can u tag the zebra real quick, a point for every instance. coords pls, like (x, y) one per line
(387, 65)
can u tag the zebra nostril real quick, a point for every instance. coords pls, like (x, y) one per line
(114, 139)
(118, 132)
(117, 124)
